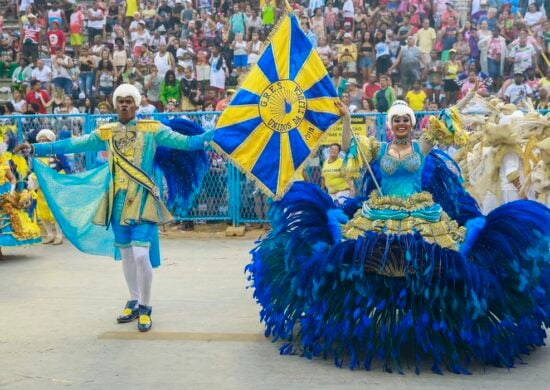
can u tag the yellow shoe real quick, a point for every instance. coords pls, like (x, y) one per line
(144, 321)
(130, 313)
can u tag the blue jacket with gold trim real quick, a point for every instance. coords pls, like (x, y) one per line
(142, 203)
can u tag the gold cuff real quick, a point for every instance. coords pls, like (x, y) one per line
(512, 176)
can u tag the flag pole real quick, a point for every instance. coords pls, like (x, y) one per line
(364, 157)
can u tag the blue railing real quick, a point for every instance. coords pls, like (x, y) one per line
(227, 194)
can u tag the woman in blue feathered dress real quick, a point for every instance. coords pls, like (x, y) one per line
(417, 272)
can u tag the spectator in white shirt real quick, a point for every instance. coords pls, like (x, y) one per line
(348, 10)
(517, 92)
(146, 109)
(42, 73)
(96, 22)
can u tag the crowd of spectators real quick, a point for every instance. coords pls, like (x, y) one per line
(190, 55)
(68, 56)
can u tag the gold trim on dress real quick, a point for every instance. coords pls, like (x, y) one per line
(446, 232)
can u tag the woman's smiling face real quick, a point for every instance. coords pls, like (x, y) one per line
(401, 126)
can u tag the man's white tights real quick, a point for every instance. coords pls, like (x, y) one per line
(138, 273)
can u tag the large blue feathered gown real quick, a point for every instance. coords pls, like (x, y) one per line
(419, 272)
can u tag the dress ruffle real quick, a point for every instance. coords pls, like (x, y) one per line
(398, 287)
(16, 227)
(415, 214)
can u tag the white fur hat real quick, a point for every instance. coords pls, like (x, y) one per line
(398, 108)
(125, 90)
(46, 133)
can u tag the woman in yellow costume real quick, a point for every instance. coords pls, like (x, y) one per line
(59, 163)
(16, 228)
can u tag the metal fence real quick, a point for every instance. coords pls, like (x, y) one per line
(227, 194)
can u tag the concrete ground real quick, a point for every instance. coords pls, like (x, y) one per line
(58, 329)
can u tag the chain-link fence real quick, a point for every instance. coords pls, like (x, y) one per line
(226, 194)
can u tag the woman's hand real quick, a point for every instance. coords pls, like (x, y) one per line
(24, 147)
(344, 111)
(477, 84)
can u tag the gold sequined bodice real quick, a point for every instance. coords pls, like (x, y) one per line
(125, 140)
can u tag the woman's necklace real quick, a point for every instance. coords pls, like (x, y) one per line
(401, 141)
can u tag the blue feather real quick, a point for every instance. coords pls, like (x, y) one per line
(441, 177)
(473, 230)
(183, 171)
(332, 299)
(335, 218)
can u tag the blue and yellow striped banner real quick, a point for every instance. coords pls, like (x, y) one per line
(276, 119)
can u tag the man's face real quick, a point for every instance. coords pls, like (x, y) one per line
(425, 23)
(518, 79)
(40, 64)
(345, 98)
(522, 39)
(383, 83)
(126, 108)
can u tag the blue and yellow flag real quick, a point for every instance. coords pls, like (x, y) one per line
(284, 106)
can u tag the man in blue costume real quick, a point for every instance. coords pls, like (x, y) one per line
(130, 203)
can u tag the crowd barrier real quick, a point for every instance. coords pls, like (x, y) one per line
(227, 194)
